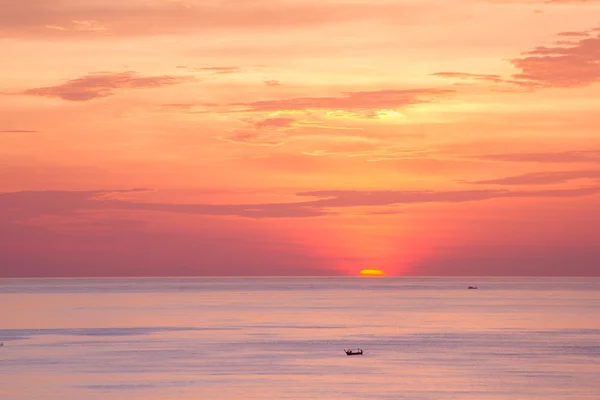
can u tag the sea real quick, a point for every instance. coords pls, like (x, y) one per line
(284, 338)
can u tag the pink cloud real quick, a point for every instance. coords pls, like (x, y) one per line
(574, 34)
(571, 66)
(103, 84)
(369, 100)
(567, 64)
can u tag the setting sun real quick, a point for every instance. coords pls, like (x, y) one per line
(372, 272)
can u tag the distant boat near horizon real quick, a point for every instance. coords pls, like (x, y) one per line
(353, 352)
(473, 287)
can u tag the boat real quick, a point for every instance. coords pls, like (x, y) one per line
(353, 352)
(472, 287)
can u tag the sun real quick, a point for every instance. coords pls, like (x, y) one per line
(371, 272)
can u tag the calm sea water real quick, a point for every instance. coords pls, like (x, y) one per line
(283, 338)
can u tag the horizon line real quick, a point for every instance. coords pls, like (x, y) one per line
(295, 276)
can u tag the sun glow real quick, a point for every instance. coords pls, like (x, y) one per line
(381, 114)
(371, 272)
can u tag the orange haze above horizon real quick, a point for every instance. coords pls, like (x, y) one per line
(193, 137)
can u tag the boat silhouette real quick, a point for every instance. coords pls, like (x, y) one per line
(353, 352)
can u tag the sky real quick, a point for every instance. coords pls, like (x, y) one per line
(299, 137)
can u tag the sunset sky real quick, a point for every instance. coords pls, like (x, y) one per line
(299, 137)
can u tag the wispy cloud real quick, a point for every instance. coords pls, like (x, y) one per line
(272, 83)
(368, 100)
(88, 26)
(215, 70)
(219, 70)
(18, 131)
(279, 122)
(79, 26)
(377, 154)
(574, 156)
(56, 28)
(542, 178)
(483, 77)
(574, 34)
(262, 132)
(464, 75)
(103, 84)
(355, 198)
(253, 138)
(25, 205)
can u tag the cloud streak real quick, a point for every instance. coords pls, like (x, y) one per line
(542, 178)
(483, 77)
(219, 70)
(253, 138)
(103, 84)
(464, 75)
(18, 131)
(367, 100)
(350, 198)
(573, 156)
(19, 206)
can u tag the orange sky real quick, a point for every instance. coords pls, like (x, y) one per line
(299, 137)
